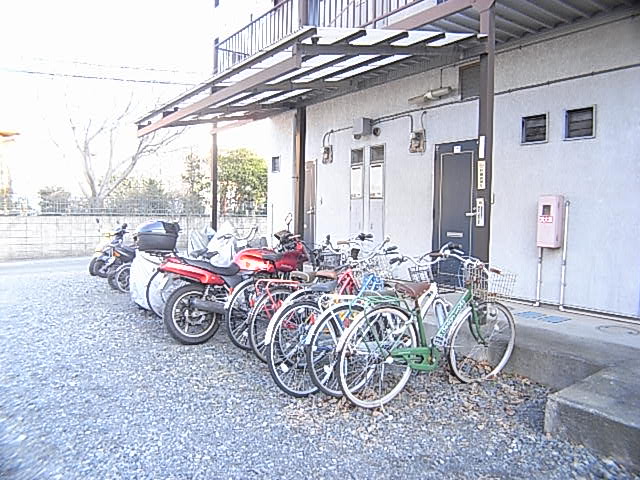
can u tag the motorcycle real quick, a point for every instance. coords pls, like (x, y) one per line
(193, 312)
(103, 256)
(118, 272)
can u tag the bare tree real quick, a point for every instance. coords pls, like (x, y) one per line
(103, 166)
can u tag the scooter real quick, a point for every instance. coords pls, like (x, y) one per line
(103, 256)
(119, 267)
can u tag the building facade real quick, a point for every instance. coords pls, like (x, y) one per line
(399, 153)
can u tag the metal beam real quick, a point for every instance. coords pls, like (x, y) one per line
(499, 30)
(384, 50)
(534, 4)
(284, 44)
(482, 233)
(299, 140)
(503, 6)
(265, 75)
(598, 4)
(214, 178)
(430, 15)
(574, 9)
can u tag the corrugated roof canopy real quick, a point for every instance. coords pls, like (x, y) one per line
(315, 64)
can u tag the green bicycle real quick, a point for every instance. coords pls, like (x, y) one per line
(383, 345)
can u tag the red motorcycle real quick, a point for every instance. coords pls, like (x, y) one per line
(193, 313)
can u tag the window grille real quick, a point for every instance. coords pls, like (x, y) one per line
(579, 123)
(534, 129)
(275, 164)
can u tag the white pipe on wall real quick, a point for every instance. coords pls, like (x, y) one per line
(539, 278)
(563, 275)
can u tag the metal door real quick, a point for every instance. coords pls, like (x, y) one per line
(454, 212)
(356, 202)
(376, 193)
(310, 202)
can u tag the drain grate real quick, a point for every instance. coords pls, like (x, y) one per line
(543, 317)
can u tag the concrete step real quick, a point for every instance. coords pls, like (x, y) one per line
(601, 412)
(559, 355)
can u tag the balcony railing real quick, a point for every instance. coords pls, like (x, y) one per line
(291, 15)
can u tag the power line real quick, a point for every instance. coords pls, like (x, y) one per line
(124, 67)
(93, 77)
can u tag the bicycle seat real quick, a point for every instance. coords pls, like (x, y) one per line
(412, 289)
(325, 287)
(224, 271)
(326, 274)
(304, 277)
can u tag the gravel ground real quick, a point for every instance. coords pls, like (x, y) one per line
(93, 387)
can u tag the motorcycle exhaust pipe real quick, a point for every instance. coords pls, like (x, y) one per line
(213, 306)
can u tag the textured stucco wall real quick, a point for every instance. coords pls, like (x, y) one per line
(600, 176)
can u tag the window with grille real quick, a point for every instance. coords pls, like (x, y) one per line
(534, 129)
(275, 164)
(357, 162)
(376, 172)
(579, 123)
(470, 81)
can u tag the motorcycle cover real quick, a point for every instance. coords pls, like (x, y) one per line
(223, 242)
(142, 267)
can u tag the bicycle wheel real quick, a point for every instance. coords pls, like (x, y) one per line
(285, 352)
(369, 376)
(321, 349)
(480, 345)
(259, 317)
(237, 313)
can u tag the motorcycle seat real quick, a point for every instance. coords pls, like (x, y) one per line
(272, 257)
(223, 271)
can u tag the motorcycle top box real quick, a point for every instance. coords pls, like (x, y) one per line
(157, 236)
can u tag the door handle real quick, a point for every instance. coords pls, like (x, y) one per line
(311, 211)
(470, 214)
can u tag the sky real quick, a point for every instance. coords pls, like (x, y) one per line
(145, 52)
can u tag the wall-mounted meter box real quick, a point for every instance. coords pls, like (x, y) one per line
(550, 221)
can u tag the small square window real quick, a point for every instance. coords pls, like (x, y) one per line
(579, 123)
(275, 164)
(534, 129)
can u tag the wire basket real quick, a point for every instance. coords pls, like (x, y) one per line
(420, 273)
(442, 275)
(377, 266)
(489, 283)
(329, 260)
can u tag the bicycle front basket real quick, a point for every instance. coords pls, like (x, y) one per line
(489, 283)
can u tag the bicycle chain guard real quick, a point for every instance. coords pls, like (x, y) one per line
(424, 359)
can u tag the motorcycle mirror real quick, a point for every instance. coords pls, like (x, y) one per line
(287, 219)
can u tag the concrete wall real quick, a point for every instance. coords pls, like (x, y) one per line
(600, 176)
(280, 184)
(61, 236)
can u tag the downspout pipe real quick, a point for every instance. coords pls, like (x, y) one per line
(563, 275)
